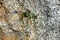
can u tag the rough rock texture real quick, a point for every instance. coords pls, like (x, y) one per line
(14, 26)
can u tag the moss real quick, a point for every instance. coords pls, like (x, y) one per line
(29, 14)
(26, 13)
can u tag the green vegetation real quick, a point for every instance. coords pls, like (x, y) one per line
(29, 14)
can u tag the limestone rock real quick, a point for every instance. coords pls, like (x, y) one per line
(15, 26)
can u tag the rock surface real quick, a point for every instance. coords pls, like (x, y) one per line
(15, 26)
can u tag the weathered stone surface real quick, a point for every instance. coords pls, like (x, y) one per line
(14, 25)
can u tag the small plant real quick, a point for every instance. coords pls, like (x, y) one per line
(29, 14)
(26, 13)
(33, 16)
